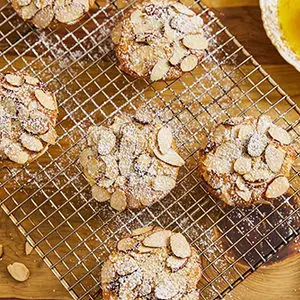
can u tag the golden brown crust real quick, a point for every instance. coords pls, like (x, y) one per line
(247, 161)
(156, 48)
(145, 266)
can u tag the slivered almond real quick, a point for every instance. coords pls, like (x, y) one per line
(257, 144)
(18, 271)
(279, 134)
(45, 99)
(100, 194)
(142, 230)
(163, 183)
(245, 132)
(118, 200)
(189, 63)
(158, 239)
(263, 124)
(195, 41)
(179, 53)
(183, 9)
(42, 18)
(31, 143)
(164, 139)
(277, 187)
(171, 157)
(31, 80)
(15, 153)
(245, 195)
(108, 272)
(160, 70)
(180, 246)
(243, 165)
(69, 13)
(14, 80)
(176, 263)
(274, 158)
(50, 136)
(126, 244)
(28, 248)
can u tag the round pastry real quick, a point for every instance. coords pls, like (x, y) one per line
(160, 40)
(27, 118)
(131, 162)
(247, 161)
(42, 13)
(152, 263)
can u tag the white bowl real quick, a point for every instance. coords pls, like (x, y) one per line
(271, 23)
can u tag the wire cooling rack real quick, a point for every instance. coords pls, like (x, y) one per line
(49, 200)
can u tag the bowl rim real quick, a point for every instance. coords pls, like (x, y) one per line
(292, 61)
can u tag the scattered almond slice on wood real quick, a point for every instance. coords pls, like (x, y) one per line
(108, 272)
(142, 230)
(243, 165)
(118, 200)
(195, 41)
(189, 63)
(279, 134)
(163, 183)
(180, 246)
(274, 158)
(160, 70)
(164, 139)
(257, 144)
(28, 248)
(31, 143)
(14, 80)
(50, 136)
(158, 239)
(45, 99)
(100, 194)
(277, 187)
(18, 271)
(126, 244)
(176, 263)
(15, 153)
(171, 157)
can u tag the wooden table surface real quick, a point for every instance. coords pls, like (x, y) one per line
(277, 280)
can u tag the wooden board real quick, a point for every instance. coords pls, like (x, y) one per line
(276, 281)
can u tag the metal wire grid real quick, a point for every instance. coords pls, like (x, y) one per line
(49, 199)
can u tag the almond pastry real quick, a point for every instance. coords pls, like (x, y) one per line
(43, 13)
(28, 115)
(135, 271)
(131, 162)
(247, 161)
(158, 40)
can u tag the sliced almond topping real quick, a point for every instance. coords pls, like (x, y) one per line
(164, 139)
(46, 100)
(107, 141)
(85, 156)
(160, 70)
(277, 187)
(240, 183)
(18, 271)
(179, 53)
(181, 8)
(163, 183)
(176, 263)
(195, 41)
(170, 34)
(257, 144)
(1, 251)
(93, 167)
(213, 180)
(108, 272)
(180, 246)
(187, 25)
(194, 295)
(43, 17)
(245, 132)
(126, 244)
(68, 14)
(243, 165)
(118, 200)
(171, 157)
(144, 115)
(279, 134)
(158, 239)
(189, 63)
(50, 136)
(116, 33)
(142, 230)
(126, 265)
(23, 2)
(31, 143)
(100, 194)
(245, 195)
(218, 164)
(166, 289)
(28, 248)
(15, 153)
(27, 12)
(31, 80)
(263, 124)
(274, 158)
(14, 80)
(143, 249)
